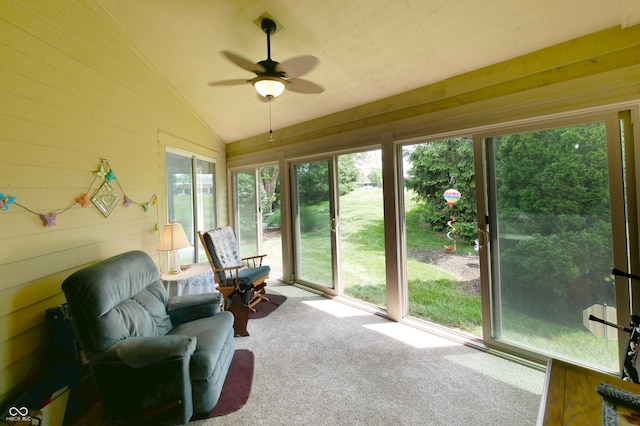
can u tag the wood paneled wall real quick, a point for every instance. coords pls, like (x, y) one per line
(73, 91)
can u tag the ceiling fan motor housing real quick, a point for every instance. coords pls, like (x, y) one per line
(268, 26)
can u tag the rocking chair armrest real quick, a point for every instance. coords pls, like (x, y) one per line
(231, 278)
(228, 268)
(254, 257)
(256, 260)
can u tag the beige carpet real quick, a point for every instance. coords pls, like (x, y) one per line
(320, 362)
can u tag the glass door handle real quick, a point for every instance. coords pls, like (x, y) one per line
(333, 224)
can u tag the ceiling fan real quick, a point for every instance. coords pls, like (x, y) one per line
(273, 77)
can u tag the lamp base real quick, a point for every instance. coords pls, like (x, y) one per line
(174, 262)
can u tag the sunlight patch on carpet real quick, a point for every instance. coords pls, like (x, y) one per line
(411, 336)
(512, 373)
(339, 310)
(291, 291)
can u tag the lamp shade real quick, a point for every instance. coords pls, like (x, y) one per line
(173, 238)
(268, 86)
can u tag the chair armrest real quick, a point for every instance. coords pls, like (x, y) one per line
(139, 377)
(230, 275)
(139, 352)
(254, 261)
(191, 307)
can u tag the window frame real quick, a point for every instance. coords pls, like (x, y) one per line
(195, 253)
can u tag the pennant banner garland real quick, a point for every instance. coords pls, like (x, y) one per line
(105, 199)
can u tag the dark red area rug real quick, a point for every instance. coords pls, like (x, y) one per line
(236, 388)
(265, 308)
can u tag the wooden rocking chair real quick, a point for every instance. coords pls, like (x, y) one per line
(230, 271)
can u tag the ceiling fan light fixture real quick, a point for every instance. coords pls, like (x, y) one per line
(268, 86)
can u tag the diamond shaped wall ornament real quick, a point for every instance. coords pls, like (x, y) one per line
(105, 199)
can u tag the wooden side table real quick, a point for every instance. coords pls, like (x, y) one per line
(197, 279)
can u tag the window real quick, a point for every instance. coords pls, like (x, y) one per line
(556, 215)
(511, 236)
(338, 233)
(442, 261)
(257, 214)
(191, 199)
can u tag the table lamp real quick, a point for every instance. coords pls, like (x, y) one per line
(173, 239)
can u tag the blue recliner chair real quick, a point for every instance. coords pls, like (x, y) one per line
(153, 360)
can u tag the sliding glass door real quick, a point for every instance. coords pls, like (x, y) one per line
(247, 211)
(557, 227)
(442, 262)
(257, 214)
(338, 225)
(315, 223)
(361, 231)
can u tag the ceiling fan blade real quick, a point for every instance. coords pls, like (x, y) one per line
(300, 85)
(295, 67)
(243, 63)
(234, 82)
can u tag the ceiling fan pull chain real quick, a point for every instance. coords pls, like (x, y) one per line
(270, 131)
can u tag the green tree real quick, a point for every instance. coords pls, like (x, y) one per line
(558, 172)
(312, 182)
(375, 177)
(552, 196)
(436, 167)
(348, 172)
(313, 179)
(269, 176)
(245, 193)
(553, 191)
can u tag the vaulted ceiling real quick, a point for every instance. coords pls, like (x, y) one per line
(368, 49)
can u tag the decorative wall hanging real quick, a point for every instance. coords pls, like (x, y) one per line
(105, 199)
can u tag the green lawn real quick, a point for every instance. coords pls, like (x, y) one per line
(552, 338)
(362, 246)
